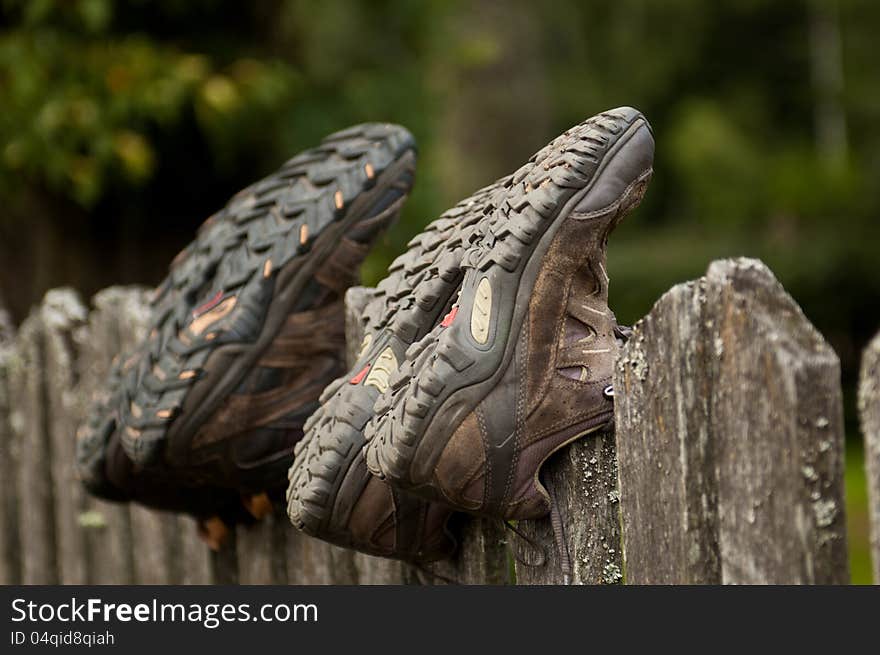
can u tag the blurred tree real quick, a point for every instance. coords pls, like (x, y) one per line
(115, 127)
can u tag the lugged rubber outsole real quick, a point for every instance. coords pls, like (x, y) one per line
(262, 249)
(450, 371)
(419, 286)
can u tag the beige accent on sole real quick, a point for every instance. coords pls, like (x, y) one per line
(482, 312)
(380, 372)
(368, 339)
(201, 323)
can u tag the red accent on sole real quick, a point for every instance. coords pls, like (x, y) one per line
(447, 320)
(208, 306)
(360, 376)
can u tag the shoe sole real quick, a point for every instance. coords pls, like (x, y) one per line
(452, 369)
(265, 246)
(419, 287)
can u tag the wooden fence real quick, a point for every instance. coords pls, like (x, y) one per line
(726, 465)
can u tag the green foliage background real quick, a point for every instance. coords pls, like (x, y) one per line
(124, 124)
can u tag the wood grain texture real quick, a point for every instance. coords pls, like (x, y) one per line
(869, 411)
(10, 548)
(482, 556)
(381, 571)
(261, 551)
(730, 438)
(194, 554)
(63, 314)
(314, 562)
(153, 541)
(224, 563)
(30, 420)
(582, 479)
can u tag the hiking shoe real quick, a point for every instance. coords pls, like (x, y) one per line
(331, 495)
(523, 363)
(247, 328)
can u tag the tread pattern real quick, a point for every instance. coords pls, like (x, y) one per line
(419, 286)
(533, 197)
(238, 252)
(274, 220)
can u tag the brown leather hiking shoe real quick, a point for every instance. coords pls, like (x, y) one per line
(332, 495)
(523, 365)
(245, 331)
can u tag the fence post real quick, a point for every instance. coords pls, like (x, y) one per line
(261, 550)
(869, 410)
(482, 557)
(30, 420)
(195, 558)
(730, 437)
(62, 314)
(10, 552)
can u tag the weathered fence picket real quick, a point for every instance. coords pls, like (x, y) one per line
(726, 465)
(195, 559)
(62, 315)
(730, 435)
(36, 503)
(869, 408)
(10, 550)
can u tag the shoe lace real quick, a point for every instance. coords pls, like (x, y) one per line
(531, 542)
(561, 543)
(622, 332)
(558, 538)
